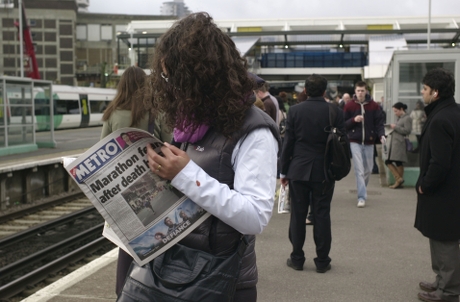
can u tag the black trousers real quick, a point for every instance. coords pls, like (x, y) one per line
(318, 196)
(124, 262)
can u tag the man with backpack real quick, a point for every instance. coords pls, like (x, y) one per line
(303, 168)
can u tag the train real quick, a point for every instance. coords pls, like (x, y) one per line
(74, 107)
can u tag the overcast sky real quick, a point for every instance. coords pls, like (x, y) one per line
(272, 9)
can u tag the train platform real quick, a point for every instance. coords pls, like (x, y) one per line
(68, 142)
(377, 255)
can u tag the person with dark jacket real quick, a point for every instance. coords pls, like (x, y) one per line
(227, 158)
(302, 166)
(438, 186)
(364, 124)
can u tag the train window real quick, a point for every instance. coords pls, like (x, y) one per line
(42, 106)
(98, 106)
(67, 107)
(20, 114)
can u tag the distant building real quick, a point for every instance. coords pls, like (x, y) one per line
(82, 6)
(174, 8)
(72, 46)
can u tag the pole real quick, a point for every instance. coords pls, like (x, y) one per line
(21, 39)
(428, 40)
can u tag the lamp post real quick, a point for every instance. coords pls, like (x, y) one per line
(428, 40)
(21, 40)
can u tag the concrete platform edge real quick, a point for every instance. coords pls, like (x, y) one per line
(83, 272)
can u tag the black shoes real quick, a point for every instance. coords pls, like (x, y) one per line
(323, 270)
(300, 268)
(293, 266)
(427, 286)
(430, 297)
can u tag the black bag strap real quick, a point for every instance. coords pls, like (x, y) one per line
(151, 122)
(332, 115)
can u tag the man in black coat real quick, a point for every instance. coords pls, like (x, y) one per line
(438, 186)
(302, 166)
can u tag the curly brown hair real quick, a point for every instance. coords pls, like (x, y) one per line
(129, 95)
(199, 78)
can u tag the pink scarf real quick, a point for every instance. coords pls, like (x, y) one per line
(190, 137)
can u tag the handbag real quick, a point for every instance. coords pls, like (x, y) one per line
(284, 202)
(409, 146)
(184, 274)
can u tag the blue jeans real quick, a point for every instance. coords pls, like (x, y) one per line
(363, 161)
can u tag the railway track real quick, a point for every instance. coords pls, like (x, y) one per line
(24, 219)
(30, 255)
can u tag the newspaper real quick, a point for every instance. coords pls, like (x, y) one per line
(145, 215)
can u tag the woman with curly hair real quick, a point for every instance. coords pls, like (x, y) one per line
(226, 162)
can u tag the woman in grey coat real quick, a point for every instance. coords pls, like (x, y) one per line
(396, 144)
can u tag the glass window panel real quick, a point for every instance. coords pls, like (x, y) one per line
(42, 106)
(411, 75)
(20, 115)
(18, 135)
(19, 94)
(2, 137)
(3, 111)
(98, 106)
(94, 32)
(81, 32)
(106, 32)
(67, 107)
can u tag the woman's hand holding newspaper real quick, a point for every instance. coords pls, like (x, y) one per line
(169, 165)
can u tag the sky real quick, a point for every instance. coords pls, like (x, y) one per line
(283, 9)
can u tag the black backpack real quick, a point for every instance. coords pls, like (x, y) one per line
(337, 158)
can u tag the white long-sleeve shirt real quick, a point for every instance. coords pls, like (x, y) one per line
(248, 207)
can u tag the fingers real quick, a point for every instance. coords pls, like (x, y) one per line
(173, 149)
(168, 165)
(156, 161)
(284, 182)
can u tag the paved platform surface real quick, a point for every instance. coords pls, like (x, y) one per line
(377, 254)
(68, 142)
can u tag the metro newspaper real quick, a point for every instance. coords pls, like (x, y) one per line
(145, 215)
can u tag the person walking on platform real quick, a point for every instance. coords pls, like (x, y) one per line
(438, 186)
(396, 144)
(418, 117)
(364, 124)
(344, 100)
(127, 110)
(227, 158)
(302, 167)
(270, 102)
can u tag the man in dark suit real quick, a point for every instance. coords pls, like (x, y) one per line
(438, 186)
(302, 166)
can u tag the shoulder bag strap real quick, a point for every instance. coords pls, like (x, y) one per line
(151, 122)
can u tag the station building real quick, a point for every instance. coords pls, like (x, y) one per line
(72, 46)
(76, 47)
(344, 50)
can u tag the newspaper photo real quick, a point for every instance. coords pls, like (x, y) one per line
(145, 215)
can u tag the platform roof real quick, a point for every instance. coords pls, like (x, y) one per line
(320, 31)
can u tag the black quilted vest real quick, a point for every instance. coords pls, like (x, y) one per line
(213, 154)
